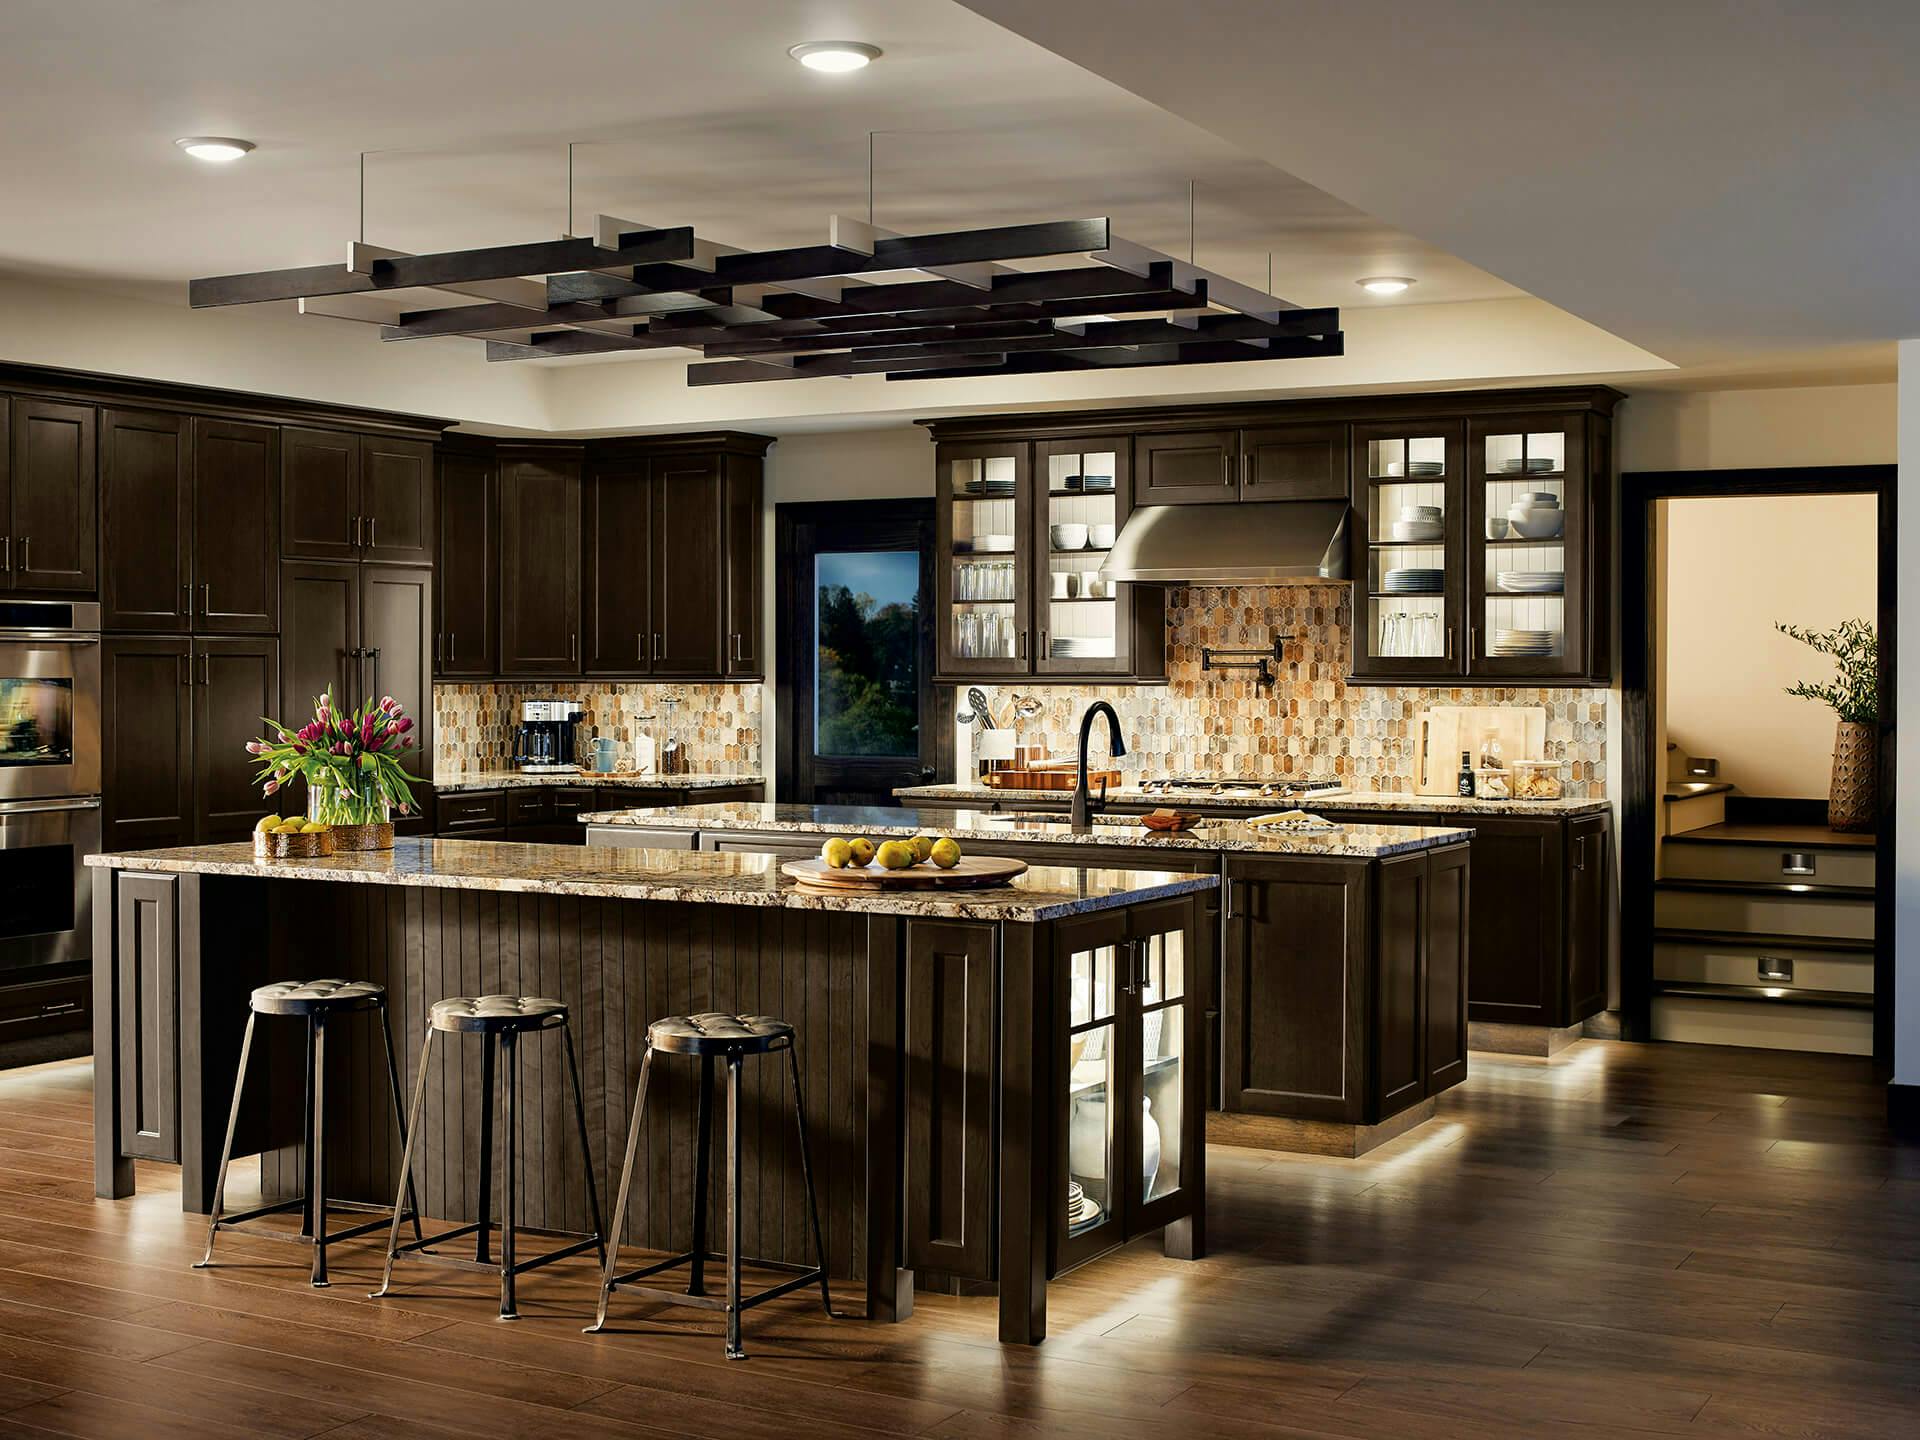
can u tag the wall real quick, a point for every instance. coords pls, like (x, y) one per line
(1734, 566)
(718, 725)
(1906, 843)
(1724, 429)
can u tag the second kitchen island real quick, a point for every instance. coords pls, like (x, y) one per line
(951, 1043)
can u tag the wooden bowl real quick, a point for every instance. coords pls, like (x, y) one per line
(1169, 821)
(304, 845)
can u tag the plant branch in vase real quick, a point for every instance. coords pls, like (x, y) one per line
(351, 763)
(1854, 695)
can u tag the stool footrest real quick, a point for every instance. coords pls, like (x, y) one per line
(801, 1276)
(285, 1237)
(416, 1249)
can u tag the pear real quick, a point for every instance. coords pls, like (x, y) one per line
(896, 855)
(922, 847)
(837, 853)
(946, 852)
(863, 851)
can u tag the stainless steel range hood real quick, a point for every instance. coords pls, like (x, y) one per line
(1291, 542)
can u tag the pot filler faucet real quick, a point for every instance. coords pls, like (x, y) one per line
(1082, 817)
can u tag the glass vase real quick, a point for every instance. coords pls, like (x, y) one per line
(359, 815)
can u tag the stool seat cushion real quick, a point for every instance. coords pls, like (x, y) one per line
(488, 1013)
(716, 1033)
(306, 997)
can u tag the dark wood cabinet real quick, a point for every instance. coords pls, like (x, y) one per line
(1590, 907)
(146, 514)
(396, 500)
(688, 569)
(466, 574)
(618, 599)
(1306, 461)
(236, 527)
(52, 497)
(745, 540)
(146, 768)
(366, 630)
(396, 650)
(1398, 465)
(236, 681)
(319, 494)
(1448, 928)
(320, 631)
(540, 565)
(146, 1023)
(1187, 467)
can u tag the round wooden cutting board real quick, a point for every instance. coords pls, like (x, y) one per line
(971, 871)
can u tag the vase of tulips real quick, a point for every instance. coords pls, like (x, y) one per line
(350, 761)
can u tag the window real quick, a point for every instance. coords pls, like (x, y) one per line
(866, 698)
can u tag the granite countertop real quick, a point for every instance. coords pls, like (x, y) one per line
(1259, 804)
(516, 780)
(1045, 892)
(1347, 842)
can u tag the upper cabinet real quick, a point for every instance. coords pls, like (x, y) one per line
(618, 603)
(467, 571)
(236, 527)
(1305, 461)
(1408, 563)
(356, 497)
(539, 564)
(49, 500)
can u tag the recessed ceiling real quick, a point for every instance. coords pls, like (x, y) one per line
(679, 114)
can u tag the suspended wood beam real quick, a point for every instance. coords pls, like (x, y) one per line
(814, 367)
(1052, 362)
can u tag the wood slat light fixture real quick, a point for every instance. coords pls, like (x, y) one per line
(868, 302)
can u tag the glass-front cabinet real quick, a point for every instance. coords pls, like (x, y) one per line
(985, 579)
(1527, 544)
(1129, 1105)
(1409, 565)
(1084, 493)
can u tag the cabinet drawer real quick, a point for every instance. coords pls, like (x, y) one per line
(475, 810)
(1784, 864)
(529, 807)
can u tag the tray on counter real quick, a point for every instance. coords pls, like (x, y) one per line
(971, 871)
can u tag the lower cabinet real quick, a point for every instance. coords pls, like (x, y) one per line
(146, 918)
(177, 714)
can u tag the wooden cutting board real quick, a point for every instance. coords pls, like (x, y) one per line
(1440, 734)
(972, 871)
(1049, 777)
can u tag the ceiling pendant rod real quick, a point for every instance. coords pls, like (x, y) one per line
(567, 232)
(363, 197)
(1191, 186)
(870, 219)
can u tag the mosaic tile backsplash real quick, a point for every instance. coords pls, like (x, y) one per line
(473, 725)
(1310, 723)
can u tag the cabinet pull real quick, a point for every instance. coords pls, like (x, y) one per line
(1226, 468)
(6, 553)
(439, 647)
(1226, 899)
(1580, 853)
(186, 599)
(26, 553)
(183, 671)
(453, 644)
(573, 645)
(205, 677)
(1246, 470)
(355, 542)
(1020, 650)
(373, 523)
(206, 599)
(656, 644)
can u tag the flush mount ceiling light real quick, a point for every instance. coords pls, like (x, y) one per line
(1385, 284)
(214, 149)
(835, 57)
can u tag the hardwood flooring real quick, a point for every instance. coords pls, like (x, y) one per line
(1660, 1240)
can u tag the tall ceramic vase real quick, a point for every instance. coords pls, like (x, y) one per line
(1855, 795)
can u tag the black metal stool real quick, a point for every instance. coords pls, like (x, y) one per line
(727, 1037)
(499, 1021)
(315, 1001)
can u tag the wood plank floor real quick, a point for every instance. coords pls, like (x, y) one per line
(1657, 1240)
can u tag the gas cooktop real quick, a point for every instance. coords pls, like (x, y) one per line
(1233, 786)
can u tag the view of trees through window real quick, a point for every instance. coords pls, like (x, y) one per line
(866, 684)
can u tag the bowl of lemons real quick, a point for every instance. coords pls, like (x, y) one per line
(293, 837)
(856, 852)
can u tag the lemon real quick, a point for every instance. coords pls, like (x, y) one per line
(863, 851)
(946, 852)
(312, 827)
(896, 855)
(267, 823)
(922, 847)
(291, 826)
(837, 853)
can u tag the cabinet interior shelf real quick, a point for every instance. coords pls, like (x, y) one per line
(1406, 594)
(1408, 544)
(1080, 494)
(1008, 601)
(1081, 599)
(1556, 540)
(1083, 550)
(1493, 477)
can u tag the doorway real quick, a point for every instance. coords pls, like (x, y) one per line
(1744, 919)
(856, 712)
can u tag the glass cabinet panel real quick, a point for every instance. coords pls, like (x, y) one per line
(1093, 1193)
(1529, 507)
(1163, 1071)
(1410, 486)
(1081, 512)
(985, 523)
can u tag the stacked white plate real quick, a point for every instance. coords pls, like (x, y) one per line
(1081, 1210)
(1413, 580)
(1419, 531)
(987, 544)
(1531, 582)
(1523, 642)
(1532, 465)
(1426, 469)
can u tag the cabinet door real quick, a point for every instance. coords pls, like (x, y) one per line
(319, 494)
(55, 497)
(396, 638)
(1294, 462)
(1527, 539)
(984, 515)
(396, 500)
(1408, 551)
(1293, 991)
(687, 567)
(235, 682)
(951, 1023)
(1445, 977)
(146, 947)
(1589, 915)
(320, 631)
(1399, 991)
(1088, 1193)
(146, 514)
(539, 567)
(146, 770)
(1515, 955)
(1166, 1098)
(1187, 467)
(1086, 623)
(236, 527)
(745, 561)
(618, 604)
(467, 575)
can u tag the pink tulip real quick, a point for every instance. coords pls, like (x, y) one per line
(254, 747)
(271, 786)
(403, 724)
(406, 742)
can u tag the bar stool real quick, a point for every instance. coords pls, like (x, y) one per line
(315, 1001)
(714, 1036)
(499, 1021)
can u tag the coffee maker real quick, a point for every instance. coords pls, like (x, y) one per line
(546, 743)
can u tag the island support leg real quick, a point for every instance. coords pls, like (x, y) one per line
(112, 1171)
(1024, 1143)
(889, 1286)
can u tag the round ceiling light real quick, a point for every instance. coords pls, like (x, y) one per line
(1385, 284)
(835, 57)
(214, 149)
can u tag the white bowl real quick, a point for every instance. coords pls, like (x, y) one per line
(1069, 537)
(1418, 531)
(1100, 536)
(1537, 523)
(1420, 512)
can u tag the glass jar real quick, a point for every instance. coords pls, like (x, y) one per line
(359, 813)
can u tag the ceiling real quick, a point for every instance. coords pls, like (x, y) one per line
(679, 114)
(1728, 183)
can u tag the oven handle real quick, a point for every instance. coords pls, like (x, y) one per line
(42, 807)
(62, 637)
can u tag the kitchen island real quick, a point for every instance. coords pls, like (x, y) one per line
(1340, 956)
(945, 1039)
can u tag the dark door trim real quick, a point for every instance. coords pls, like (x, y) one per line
(904, 524)
(1638, 491)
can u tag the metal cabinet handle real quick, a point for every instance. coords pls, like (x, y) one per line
(1246, 469)
(1043, 650)
(186, 599)
(1580, 853)
(26, 553)
(373, 523)
(206, 677)
(453, 644)
(355, 542)
(183, 671)
(206, 599)
(656, 645)
(439, 647)
(6, 552)
(1226, 468)
(573, 645)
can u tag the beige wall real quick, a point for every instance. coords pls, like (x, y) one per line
(1725, 429)
(1734, 566)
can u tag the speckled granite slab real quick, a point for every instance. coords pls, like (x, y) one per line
(515, 780)
(1045, 892)
(1363, 842)
(1259, 804)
